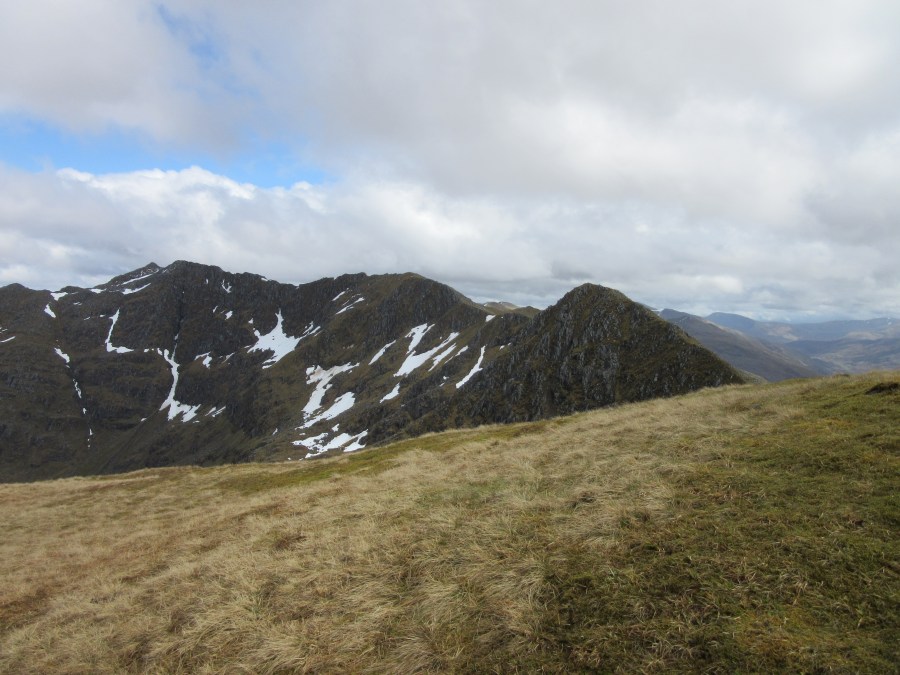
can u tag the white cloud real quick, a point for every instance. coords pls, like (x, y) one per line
(80, 228)
(738, 155)
(89, 65)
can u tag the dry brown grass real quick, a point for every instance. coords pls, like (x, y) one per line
(440, 554)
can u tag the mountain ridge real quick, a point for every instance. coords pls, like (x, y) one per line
(765, 360)
(193, 364)
(777, 350)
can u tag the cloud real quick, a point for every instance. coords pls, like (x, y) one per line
(73, 227)
(703, 155)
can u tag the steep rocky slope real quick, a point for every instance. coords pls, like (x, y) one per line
(192, 364)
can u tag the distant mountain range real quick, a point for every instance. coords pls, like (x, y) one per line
(189, 364)
(777, 351)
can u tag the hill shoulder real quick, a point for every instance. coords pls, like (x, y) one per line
(749, 528)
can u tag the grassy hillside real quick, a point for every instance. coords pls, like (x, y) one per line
(741, 529)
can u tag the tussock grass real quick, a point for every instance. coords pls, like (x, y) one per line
(740, 529)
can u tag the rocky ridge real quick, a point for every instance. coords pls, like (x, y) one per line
(190, 364)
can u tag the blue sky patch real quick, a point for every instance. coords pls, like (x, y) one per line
(37, 146)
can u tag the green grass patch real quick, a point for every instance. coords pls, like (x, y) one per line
(779, 555)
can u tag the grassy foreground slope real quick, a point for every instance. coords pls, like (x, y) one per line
(747, 528)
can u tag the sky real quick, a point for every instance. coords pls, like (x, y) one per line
(739, 156)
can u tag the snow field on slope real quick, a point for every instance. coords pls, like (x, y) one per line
(322, 379)
(109, 347)
(476, 368)
(381, 352)
(417, 334)
(140, 278)
(207, 358)
(317, 445)
(350, 305)
(278, 342)
(341, 404)
(129, 291)
(176, 408)
(437, 353)
(391, 394)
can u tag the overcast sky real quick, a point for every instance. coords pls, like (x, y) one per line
(701, 155)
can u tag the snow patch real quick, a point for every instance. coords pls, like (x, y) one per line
(109, 347)
(176, 408)
(226, 288)
(278, 342)
(414, 360)
(322, 379)
(416, 334)
(61, 354)
(58, 295)
(381, 352)
(215, 412)
(489, 317)
(207, 359)
(49, 311)
(349, 305)
(356, 445)
(335, 298)
(317, 445)
(393, 393)
(312, 443)
(9, 339)
(476, 368)
(140, 278)
(341, 404)
(228, 314)
(443, 355)
(129, 291)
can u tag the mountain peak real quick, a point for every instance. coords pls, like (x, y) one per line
(190, 364)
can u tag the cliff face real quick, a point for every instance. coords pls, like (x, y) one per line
(594, 348)
(192, 364)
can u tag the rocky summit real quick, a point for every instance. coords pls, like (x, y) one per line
(189, 364)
